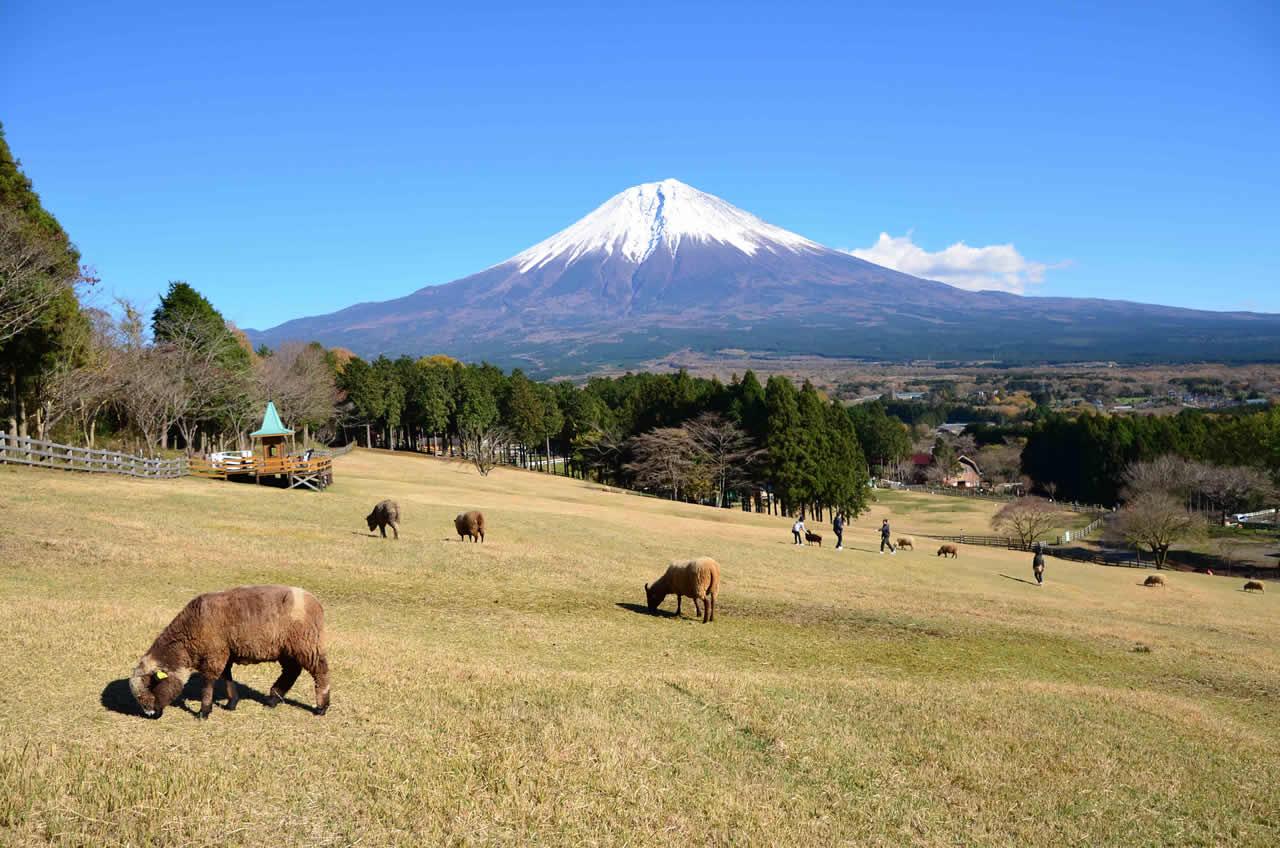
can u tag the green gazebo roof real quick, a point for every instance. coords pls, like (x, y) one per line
(271, 424)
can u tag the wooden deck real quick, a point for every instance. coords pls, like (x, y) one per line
(315, 473)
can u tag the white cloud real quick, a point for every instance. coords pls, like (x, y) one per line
(998, 267)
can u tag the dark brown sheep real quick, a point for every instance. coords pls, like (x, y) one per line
(385, 514)
(948, 550)
(812, 538)
(1254, 586)
(248, 624)
(470, 525)
(697, 578)
(1153, 580)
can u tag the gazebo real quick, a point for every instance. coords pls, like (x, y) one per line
(269, 439)
(271, 457)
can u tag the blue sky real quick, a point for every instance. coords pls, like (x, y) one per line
(295, 159)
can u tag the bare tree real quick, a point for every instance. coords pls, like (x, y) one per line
(298, 379)
(1233, 488)
(663, 459)
(1170, 474)
(485, 446)
(1000, 463)
(725, 451)
(1156, 520)
(33, 272)
(153, 394)
(1027, 518)
(902, 470)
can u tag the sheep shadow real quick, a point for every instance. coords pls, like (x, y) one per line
(116, 697)
(1019, 579)
(641, 609)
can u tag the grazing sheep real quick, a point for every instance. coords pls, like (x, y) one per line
(385, 514)
(248, 624)
(697, 578)
(470, 525)
(907, 542)
(948, 550)
(812, 538)
(1153, 580)
(1254, 586)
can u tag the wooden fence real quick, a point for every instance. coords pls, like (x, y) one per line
(1084, 531)
(20, 450)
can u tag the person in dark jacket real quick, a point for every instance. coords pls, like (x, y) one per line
(884, 538)
(837, 527)
(1037, 563)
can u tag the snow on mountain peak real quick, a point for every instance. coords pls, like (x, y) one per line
(637, 222)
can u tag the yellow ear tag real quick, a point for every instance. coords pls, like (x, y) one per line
(160, 675)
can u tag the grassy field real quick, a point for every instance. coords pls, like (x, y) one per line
(516, 693)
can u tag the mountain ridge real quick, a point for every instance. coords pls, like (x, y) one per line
(663, 266)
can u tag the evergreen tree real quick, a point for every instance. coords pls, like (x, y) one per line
(783, 441)
(40, 316)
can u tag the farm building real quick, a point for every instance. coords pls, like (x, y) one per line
(966, 476)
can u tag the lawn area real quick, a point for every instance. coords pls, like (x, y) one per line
(949, 515)
(515, 692)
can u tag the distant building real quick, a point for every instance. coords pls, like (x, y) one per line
(952, 429)
(908, 395)
(967, 476)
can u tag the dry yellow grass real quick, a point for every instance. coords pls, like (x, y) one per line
(510, 693)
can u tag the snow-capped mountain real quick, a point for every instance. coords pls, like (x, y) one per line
(653, 217)
(663, 266)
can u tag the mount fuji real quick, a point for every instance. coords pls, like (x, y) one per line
(663, 267)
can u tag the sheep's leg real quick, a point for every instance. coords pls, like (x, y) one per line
(382, 528)
(711, 609)
(394, 530)
(289, 671)
(679, 600)
(232, 695)
(320, 674)
(206, 696)
(697, 608)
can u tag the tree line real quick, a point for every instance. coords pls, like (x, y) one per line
(1085, 458)
(775, 447)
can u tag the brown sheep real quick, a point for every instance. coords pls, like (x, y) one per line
(1153, 580)
(385, 514)
(948, 550)
(248, 624)
(812, 538)
(1254, 586)
(697, 578)
(470, 525)
(907, 542)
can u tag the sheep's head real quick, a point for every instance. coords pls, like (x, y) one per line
(153, 687)
(372, 520)
(653, 597)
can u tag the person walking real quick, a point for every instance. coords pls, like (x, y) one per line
(837, 527)
(884, 538)
(1037, 563)
(797, 530)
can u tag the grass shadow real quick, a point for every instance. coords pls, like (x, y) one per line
(641, 609)
(1019, 579)
(118, 698)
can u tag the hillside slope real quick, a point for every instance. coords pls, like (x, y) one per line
(513, 692)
